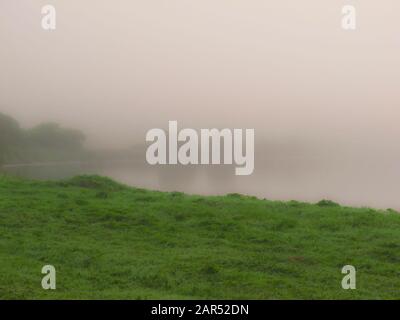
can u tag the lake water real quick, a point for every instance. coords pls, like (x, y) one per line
(356, 183)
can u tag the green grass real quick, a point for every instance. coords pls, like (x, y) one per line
(110, 241)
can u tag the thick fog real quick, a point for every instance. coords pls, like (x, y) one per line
(313, 92)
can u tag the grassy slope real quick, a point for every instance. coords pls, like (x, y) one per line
(111, 241)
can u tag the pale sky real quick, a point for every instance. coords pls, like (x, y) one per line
(286, 68)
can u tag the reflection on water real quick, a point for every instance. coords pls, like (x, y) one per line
(372, 183)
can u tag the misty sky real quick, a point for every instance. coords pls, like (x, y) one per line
(116, 69)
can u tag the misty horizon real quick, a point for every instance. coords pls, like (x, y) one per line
(203, 64)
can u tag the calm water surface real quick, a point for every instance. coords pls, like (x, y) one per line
(372, 184)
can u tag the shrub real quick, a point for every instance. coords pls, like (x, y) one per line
(327, 203)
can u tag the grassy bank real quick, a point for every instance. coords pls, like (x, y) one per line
(111, 241)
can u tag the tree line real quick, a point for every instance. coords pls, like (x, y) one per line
(44, 142)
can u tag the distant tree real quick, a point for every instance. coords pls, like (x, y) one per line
(44, 142)
(11, 135)
(52, 136)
